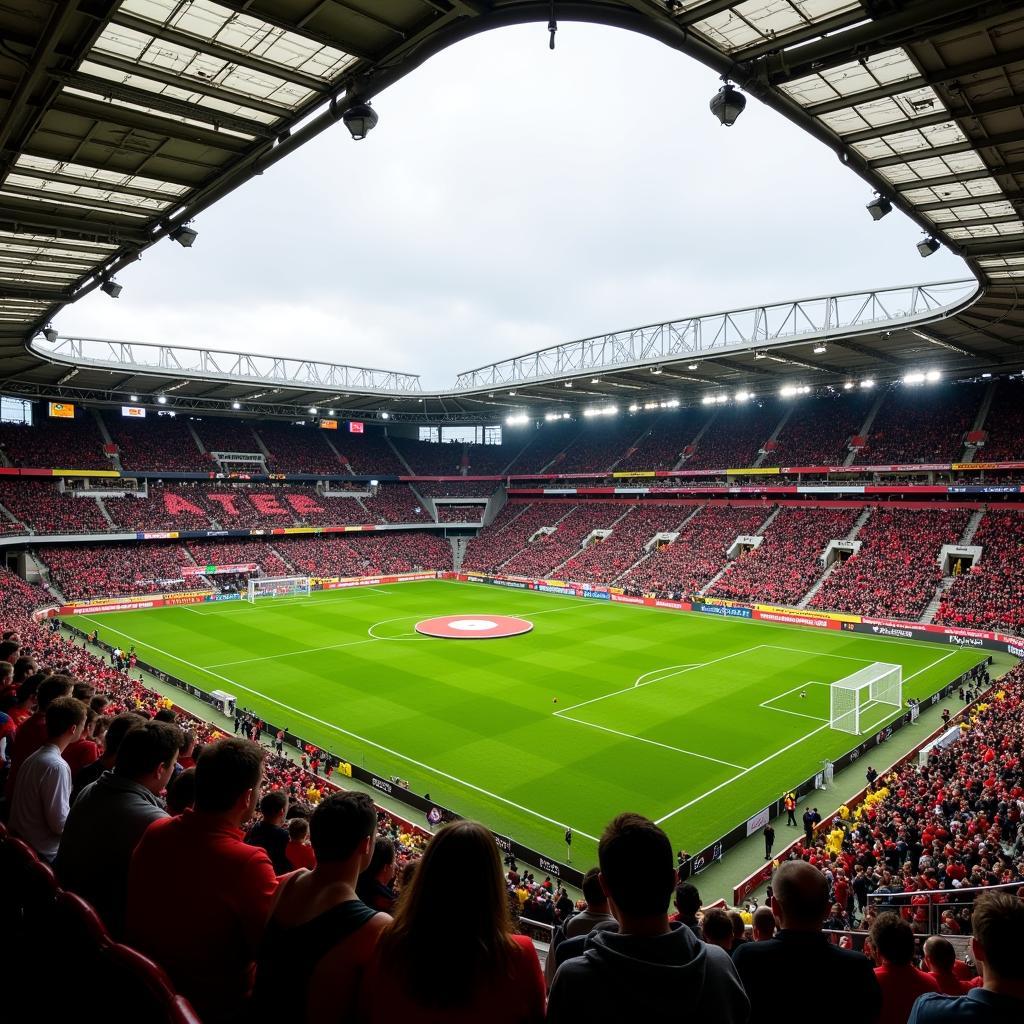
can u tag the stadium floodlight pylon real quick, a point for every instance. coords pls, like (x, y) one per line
(277, 586)
(849, 697)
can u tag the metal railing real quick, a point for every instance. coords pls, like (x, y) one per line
(940, 901)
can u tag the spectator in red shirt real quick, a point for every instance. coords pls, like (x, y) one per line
(892, 946)
(298, 851)
(939, 958)
(198, 895)
(85, 749)
(453, 958)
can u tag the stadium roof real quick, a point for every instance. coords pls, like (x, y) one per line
(121, 121)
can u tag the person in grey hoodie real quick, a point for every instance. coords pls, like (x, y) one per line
(650, 968)
(108, 819)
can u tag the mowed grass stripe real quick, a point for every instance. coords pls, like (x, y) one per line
(481, 711)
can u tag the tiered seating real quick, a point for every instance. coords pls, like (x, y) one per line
(785, 566)
(298, 449)
(925, 424)
(54, 443)
(243, 552)
(428, 459)
(395, 503)
(604, 561)
(94, 570)
(1005, 424)
(548, 552)
(225, 435)
(817, 431)
(599, 446)
(40, 504)
(991, 595)
(167, 507)
(327, 555)
(735, 436)
(662, 447)
(896, 571)
(157, 443)
(409, 552)
(699, 553)
(491, 459)
(368, 453)
(457, 488)
(548, 441)
(509, 534)
(459, 513)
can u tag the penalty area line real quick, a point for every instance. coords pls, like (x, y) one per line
(352, 735)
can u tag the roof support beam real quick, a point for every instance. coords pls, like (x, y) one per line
(864, 350)
(979, 222)
(33, 220)
(1004, 245)
(225, 53)
(97, 183)
(950, 204)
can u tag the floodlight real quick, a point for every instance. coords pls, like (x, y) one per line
(879, 207)
(50, 334)
(330, 412)
(707, 400)
(360, 120)
(692, 366)
(184, 236)
(636, 408)
(927, 246)
(986, 375)
(722, 399)
(848, 385)
(134, 398)
(112, 288)
(867, 383)
(820, 349)
(236, 405)
(161, 399)
(385, 415)
(656, 369)
(567, 384)
(595, 380)
(914, 378)
(932, 376)
(727, 104)
(311, 410)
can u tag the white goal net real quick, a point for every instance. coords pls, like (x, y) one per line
(852, 695)
(277, 586)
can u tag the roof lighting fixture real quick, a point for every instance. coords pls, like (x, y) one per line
(311, 410)
(927, 246)
(708, 400)
(595, 380)
(848, 385)
(727, 104)
(879, 207)
(743, 396)
(50, 334)
(236, 405)
(512, 393)
(656, 369)
(986, 375)
(932, 376)
(760, 354)
(517, 420)
(672, 403)
(134, 398)
(184, 235)
(692, 366)
(360, 120)
(722, 398)
(567, 384)
(385, 415)
(820, 349)
(111, 288)
(330, 412)
(914, 378)
(161, 399)
(634, 407)
(867, 382)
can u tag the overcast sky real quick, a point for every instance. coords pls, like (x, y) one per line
(512, 198)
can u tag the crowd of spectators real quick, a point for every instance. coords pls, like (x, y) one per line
(921, 425)
(1004, 424)
(159, 443)
(544, 447)
(395, 503)
(699, 553)
(603, 561)
(456, 488)
(818, 430)
(324, 555)
(990, 595)
(296, 448)
(785, 565)
(491, 459)
(600, 446)
(550, 550)
(370, 452)
(242, 552)
(428, 458)
(219, 434)
(896, 571)
(108, 570)
(45, 510)
(735, 436)
(51, 443)
(662, 446)
(177, 506)
(508, 534)
(459, 513)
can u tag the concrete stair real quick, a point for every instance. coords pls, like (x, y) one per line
(971, 528)
(933, 605)
(809, 596)
(865, 427)
(861, 520)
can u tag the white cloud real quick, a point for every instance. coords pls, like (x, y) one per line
(512, 198)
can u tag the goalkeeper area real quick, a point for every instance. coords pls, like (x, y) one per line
(697, 721)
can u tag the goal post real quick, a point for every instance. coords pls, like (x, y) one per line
(850, 696)
(277, 586)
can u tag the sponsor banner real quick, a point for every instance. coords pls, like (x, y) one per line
(783, 610)
(600, 595)
(831, 489)
(985, 489)
(754, 471)
(820, 622)
(105, 473)
(549, 588)
(738, 612)
(636, 473)
(224, 597)
(214, 570)
(1016, 650)
(758, 821)
(986, 465)
(161, 535)
(129, 604)
(676, 606)
(628, 599)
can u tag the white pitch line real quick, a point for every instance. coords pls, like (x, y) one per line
(682, 671)
(653, 743)
(771, 757)
(668, 671)
(779, 696)
(351, 735)
(292, 654)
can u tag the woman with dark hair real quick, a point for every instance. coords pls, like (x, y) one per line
(449, 958)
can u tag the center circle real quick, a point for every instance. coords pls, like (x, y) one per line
(473, 627)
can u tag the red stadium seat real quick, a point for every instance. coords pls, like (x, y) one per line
(145, 990)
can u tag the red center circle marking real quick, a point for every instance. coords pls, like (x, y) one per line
(473, 627)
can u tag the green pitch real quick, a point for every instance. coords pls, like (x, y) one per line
(696, 721)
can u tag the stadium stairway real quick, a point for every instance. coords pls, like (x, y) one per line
(345, 465)
(459, 545)
(106, 515)
(970, 453)
(859, 524)
(865, 427)
(696, 438)
(971, 528)
(7, 514)
(769, 519)
(280, 554)
(940, 592)
(399, 456)
(775, 434)
(809, 596)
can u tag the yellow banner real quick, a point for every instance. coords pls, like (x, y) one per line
(960, 466)
(754, 471)
(639, 472)
(778, 610)
(86, 472)
(300, 529)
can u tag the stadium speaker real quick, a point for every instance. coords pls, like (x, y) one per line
(112, 288)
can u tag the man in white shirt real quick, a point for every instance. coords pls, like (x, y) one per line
(42, 792)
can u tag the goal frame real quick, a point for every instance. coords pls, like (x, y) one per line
(880, 683)
(295, 585)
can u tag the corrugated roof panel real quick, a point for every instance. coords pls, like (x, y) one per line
(933, 167)
(885, 111)
(1015, 227)
(759, 21)
(978, 188)
(98, 177)
(958, 213)
(61, 191)
(849, 79)
(914, 141)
